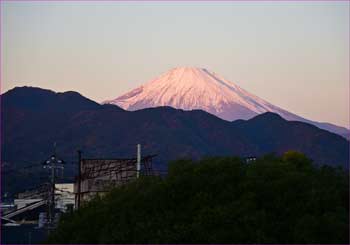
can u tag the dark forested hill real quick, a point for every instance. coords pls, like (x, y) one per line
(33, 119)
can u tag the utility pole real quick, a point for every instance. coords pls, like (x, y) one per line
(52, 163)
(138, 163)
(79, 179)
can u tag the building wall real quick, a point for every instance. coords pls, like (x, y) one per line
(100, 175)
(64, 195)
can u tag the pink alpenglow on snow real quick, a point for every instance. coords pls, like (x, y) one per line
(190, 88)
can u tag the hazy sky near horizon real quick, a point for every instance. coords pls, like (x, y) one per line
(292, 54)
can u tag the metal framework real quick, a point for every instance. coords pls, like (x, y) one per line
(99, 175)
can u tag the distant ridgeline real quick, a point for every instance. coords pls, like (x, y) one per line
(33, 119)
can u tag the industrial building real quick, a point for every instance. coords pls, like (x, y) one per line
(99, 175)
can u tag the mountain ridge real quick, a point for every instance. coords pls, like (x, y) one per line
(191, 88)
(77, 123)
(94, 115)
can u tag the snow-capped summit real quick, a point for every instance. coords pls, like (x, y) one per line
(190, 88)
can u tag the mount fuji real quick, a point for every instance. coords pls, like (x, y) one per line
(190, 88)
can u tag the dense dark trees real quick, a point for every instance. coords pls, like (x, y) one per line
(220, 200)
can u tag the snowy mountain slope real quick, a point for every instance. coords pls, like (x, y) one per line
(191, 88)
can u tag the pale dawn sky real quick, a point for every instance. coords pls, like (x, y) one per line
(292, 54)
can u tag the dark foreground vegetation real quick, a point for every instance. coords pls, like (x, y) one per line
(220, 200)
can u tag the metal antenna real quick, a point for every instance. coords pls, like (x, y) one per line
(54, 148)
(138, 163)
